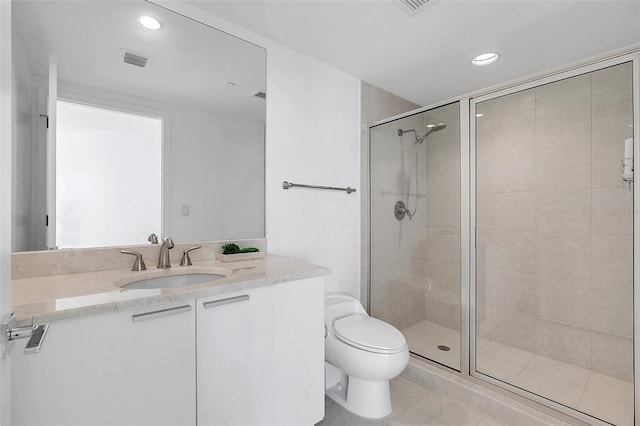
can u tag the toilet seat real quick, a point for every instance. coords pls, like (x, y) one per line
(369, 334)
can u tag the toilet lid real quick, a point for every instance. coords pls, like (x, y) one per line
(369, 334)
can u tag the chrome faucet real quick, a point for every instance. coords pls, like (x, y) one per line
(164, 261)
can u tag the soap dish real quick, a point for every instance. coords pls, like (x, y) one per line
(239, 256)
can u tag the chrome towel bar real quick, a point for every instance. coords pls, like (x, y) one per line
(287, 185)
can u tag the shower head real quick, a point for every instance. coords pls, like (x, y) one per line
(437, 127)
(431, 129)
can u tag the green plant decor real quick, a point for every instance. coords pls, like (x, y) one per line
(232, 248)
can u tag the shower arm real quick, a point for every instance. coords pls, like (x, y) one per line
(415, 134)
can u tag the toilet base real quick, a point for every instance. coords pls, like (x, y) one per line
(366, 399)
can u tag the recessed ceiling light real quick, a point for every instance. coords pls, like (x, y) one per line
(149, 22)
(479, 115)
(485, 59)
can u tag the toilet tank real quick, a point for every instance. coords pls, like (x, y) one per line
(340, 305)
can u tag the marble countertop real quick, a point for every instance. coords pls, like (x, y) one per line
(47, 299)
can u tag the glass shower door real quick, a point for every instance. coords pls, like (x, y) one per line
(415, 230)
(554, 271)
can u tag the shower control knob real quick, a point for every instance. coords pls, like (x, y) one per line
(400, 211)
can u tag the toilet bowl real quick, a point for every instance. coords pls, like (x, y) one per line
(362, 354)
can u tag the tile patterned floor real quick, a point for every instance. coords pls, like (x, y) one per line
(412, 404)
(602, 396)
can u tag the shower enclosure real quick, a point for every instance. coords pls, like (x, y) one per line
(502, 245)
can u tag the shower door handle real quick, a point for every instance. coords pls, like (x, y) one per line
(475, 237)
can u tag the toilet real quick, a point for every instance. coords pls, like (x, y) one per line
(361, 355)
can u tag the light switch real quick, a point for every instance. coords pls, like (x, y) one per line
(185, 210)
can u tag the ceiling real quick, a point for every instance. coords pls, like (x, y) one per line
(427, 58)
(190, 63)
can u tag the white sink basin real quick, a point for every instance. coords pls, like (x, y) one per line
(171, 281)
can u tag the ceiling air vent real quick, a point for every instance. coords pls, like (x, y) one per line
(259, 94)
(412, 7)
(133, 59)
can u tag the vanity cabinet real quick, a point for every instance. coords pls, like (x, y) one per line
(260, 356)
(126, 368)
(260, 361)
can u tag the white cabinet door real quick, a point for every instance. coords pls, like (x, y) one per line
(261, 356)
(127, 368)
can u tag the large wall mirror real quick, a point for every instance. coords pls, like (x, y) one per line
(124, 130)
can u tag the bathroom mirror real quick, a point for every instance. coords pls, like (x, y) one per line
(155, 130)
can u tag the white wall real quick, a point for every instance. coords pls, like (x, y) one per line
(312, 136)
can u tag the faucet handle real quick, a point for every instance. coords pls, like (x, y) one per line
(186, 260)
(153, 239)
(138, 264)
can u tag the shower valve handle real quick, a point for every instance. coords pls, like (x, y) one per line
(400, 211)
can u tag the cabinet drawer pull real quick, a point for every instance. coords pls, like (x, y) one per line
(235, 299)
(161, 313)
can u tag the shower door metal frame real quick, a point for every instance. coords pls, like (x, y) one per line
(473, 101)
(466, 239)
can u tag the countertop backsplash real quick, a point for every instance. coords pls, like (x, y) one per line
(69, 261)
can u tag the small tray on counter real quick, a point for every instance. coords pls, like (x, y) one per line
(236, 257)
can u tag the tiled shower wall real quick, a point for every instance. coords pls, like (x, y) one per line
(554, 266)
(442, 254)
(397, 247)
(415, 272)
(376, 105)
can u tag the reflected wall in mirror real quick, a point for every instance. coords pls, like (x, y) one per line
(205, 88)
